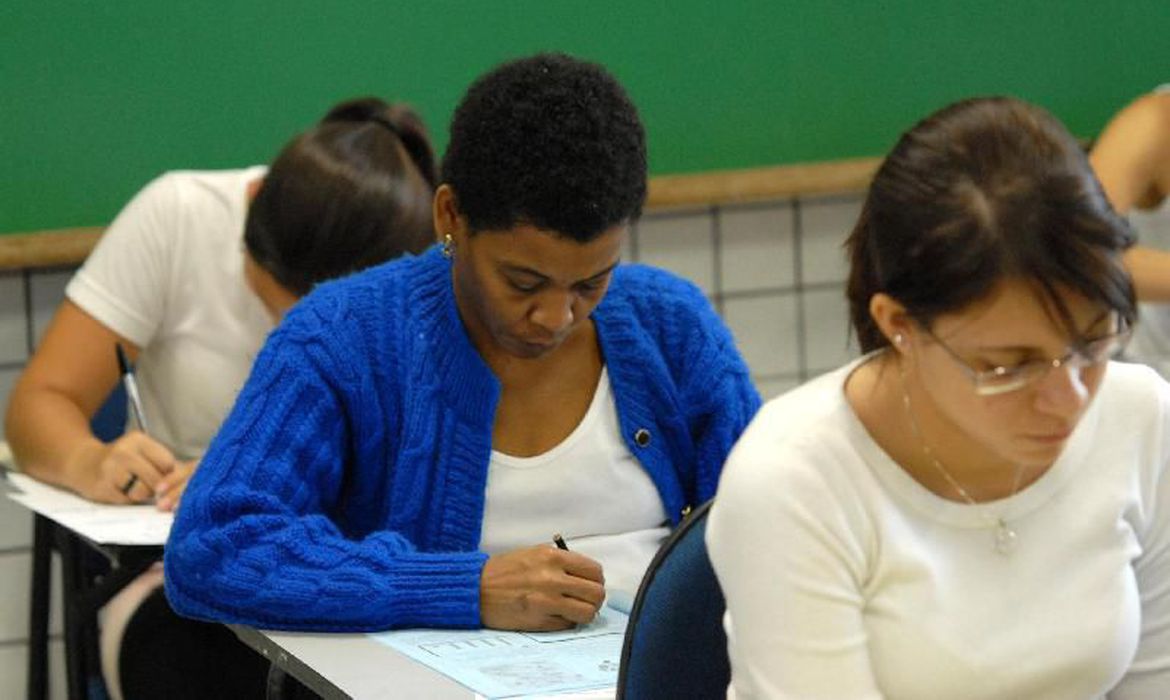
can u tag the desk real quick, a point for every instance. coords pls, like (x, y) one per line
(343, 666)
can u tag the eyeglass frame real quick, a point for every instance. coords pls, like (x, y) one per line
(1074, 358)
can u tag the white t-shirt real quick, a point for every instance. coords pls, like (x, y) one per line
(845, 578)
(589, 489)
(168, 275)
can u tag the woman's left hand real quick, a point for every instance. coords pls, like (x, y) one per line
(170, 489)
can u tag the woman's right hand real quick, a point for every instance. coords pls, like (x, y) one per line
(127, 470)
(540, 588)
(48, 420)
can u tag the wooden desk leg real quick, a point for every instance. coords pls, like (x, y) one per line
(38, 618)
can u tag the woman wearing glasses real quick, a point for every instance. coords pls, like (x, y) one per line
(977, 507)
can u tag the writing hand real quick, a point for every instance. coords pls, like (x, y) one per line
(128, 470)
(540, 588)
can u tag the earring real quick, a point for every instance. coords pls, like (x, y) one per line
(898, 339)
(448, 245)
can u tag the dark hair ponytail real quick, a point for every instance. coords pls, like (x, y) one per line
(399, 119)
(352, 192)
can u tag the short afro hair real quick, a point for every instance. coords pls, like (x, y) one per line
(550, 141)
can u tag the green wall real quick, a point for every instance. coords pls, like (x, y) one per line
(98, 97)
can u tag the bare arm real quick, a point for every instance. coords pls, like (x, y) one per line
(47, 423)
(1132, 161)
(1151, 273)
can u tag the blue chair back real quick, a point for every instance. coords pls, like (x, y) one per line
(675, 646)
(110, 420)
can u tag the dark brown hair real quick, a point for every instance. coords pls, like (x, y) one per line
(351, 192)
(981, 191)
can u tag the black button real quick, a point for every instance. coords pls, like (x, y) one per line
(642, 437)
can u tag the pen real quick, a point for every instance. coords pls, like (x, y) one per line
(131, 388)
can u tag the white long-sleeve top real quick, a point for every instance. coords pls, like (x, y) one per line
(845, 578)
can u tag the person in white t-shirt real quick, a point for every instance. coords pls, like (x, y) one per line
(979, 506)
(190, 278)
(1132, 160)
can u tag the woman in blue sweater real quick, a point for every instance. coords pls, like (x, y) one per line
(412, 436)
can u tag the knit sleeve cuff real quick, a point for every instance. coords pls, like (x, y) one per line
(435, 589)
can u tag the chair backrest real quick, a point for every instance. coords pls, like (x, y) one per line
(675, 646)
(110, 420)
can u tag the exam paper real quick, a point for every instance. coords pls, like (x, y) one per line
(497, 664)
(99, 522)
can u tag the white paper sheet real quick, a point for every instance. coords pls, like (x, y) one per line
(99, 522)
(497, 664)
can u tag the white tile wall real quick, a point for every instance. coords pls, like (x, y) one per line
(825, 224)
(771, 388)
(828, 342)
(681, 243)
(7, 381)
(1152, 226)
(757, 247)
(15, 577)
(15, 525)
(13, 665)
(12, 318)
(48, 289)
(765, 329)
(14, 580)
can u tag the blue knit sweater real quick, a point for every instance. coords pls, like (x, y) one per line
(345, 491)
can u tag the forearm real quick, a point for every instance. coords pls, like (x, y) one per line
(1151, 273)
(301, 577)
(50, 437)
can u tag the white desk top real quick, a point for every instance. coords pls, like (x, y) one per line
(357, 666)
(351, 665)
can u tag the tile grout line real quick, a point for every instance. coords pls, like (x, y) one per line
(798, 280)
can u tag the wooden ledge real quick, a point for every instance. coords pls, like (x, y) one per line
(62, 247)
(59, 247)
(761, 184)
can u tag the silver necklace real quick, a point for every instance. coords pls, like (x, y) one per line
(1005, 537)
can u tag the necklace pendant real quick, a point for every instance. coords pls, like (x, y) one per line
(1005, 538)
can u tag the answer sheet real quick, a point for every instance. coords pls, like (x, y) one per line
(498, 664)
(97, 522)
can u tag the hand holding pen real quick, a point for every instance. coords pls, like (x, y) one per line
(130, 468)
(540, 588)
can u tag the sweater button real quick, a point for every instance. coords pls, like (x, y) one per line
(642, 437)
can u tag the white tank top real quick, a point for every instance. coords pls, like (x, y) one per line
(589, 488)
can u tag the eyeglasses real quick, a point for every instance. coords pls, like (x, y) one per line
(1001, 380)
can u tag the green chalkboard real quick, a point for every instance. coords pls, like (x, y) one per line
(98, 97)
